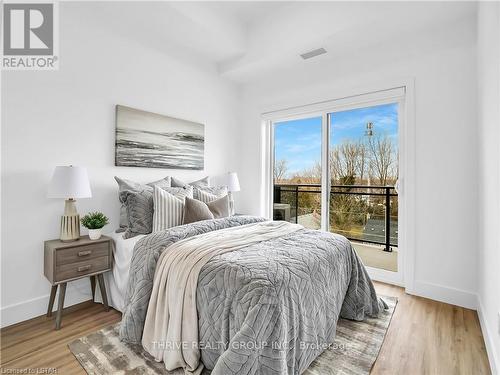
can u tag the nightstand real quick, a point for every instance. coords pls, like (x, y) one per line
(69, 261)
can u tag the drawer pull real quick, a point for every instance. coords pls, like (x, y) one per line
(84, 268)
(83, 253)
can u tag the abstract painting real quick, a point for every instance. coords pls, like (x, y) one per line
(145, 139)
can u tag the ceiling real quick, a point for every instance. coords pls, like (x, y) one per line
(246, 40)
(247, 13)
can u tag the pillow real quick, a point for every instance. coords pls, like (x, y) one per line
(179, 183)
(169, 207)
(132, 186)
(139, 212)
(195, 210)
(209, 194)
(140, 209)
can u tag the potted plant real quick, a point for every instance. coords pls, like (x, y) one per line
(94, 221)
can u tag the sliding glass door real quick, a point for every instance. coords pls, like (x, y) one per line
(338, 171)
(363, 166)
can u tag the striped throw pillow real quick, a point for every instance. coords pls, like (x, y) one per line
(169, 207)
(209, 194)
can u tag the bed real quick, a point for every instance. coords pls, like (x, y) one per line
(267, 308)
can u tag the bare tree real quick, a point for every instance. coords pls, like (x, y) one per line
(280, 169)
(383, 158)
(347, 161)
(362, 159)
(310, 175)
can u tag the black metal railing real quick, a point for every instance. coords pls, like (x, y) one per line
(371, 208)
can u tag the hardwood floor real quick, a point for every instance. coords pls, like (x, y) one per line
(425, 337)
(429, 337)
(35, 344)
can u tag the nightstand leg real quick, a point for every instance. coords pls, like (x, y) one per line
(62, 294)
(102, 287)
(92, 286)
(53, 291)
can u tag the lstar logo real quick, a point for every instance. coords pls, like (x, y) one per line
(29, 36)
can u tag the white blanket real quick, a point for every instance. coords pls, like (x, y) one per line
(171, 327)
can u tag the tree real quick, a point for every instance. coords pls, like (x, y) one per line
(280, 169)
(362, 156)
(347, 160)
(383, 158)
(310, 175)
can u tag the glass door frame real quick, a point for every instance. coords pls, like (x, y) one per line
(324, 181)
(324, 109)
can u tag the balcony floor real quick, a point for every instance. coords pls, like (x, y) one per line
(371, 255)
(374, 256)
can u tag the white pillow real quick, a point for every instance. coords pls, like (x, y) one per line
(169, 208)
(209, 194)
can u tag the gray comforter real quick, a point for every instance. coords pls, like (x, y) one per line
(269, 308)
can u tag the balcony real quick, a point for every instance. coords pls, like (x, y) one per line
(366, 215)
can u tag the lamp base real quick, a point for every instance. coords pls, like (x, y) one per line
(70, 222)
(231, 203)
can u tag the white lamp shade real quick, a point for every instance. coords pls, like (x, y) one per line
(69, 182)
(232, 182)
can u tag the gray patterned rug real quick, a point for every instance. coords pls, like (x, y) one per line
(354, 352)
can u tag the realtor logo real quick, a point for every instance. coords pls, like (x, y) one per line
(29, 36)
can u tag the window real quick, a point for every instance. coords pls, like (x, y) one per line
(338, 171)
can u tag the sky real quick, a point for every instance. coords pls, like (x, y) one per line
(299, 141)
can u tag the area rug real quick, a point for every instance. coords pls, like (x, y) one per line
(354, 351)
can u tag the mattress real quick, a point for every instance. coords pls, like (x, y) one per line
(117, 280)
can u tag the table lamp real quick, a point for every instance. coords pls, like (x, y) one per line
(233, 184)
(69, 182)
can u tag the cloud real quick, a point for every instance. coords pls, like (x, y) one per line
(384, 115)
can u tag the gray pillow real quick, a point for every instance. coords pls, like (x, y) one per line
(209, 194)
(179, 183)
(132, 186)
(195, 210)
(139, 212)
(140, 208)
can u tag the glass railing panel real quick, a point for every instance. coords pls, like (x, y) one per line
(309, 209)
(349, 215)
(298, 204)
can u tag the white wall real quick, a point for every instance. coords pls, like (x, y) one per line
(443, 65)
(489, 183)
(67, 117)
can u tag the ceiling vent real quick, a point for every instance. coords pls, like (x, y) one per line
(313, 53)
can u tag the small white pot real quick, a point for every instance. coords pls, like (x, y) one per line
(95, 234)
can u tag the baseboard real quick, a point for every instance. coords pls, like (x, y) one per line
(445, 294)
(488, 339)
(32, 308)
(384, 276)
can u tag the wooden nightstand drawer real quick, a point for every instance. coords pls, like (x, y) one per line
(81, 253)
(79, 269)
